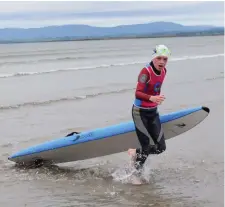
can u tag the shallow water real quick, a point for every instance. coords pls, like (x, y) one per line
(50, 89)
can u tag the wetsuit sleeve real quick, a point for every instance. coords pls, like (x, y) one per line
(143, 79)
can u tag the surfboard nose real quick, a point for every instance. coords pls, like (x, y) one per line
(206, 109)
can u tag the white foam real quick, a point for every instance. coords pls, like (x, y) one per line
(104, 66)
(196, 57)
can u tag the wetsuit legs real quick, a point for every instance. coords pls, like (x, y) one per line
(149, 132)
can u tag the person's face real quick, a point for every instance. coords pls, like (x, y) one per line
(160, 62)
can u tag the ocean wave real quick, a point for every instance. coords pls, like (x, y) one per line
(43, 53)
(197, 57)
(65, 70)
(215, 78)
(18, 74)
(48, 102)
(41, 60)
(83, 97)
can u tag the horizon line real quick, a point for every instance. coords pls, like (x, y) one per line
(61, 25)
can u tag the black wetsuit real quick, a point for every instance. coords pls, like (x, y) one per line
(148, 129)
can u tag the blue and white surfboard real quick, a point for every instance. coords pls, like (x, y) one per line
(105, 141)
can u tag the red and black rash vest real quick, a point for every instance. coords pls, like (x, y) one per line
(149, 84)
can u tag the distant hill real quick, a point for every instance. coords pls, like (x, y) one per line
(73, 32)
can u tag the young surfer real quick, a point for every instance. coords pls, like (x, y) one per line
(145, 108)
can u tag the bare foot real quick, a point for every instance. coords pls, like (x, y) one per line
(136, 181)
(132, 154)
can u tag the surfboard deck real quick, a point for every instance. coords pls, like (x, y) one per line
(105, 141)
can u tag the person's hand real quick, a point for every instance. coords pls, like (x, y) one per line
(157, 99)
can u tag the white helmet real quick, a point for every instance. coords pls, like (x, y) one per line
(161, 50)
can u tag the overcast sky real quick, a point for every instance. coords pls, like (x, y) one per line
(39, 14)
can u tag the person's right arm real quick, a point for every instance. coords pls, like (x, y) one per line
(143, 79)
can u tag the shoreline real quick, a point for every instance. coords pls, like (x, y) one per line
(69, 39)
